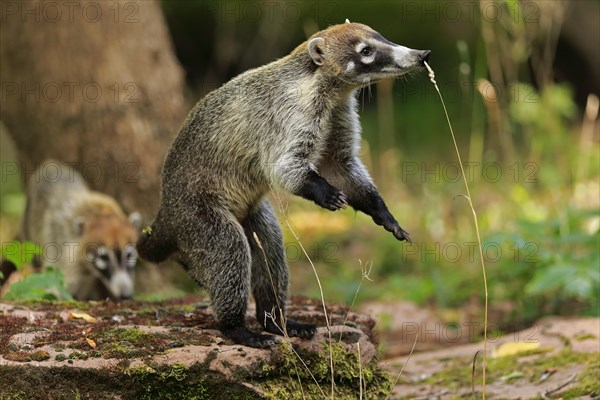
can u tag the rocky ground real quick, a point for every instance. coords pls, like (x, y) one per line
(557, 358)
(172, 350)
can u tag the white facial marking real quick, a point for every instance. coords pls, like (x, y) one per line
(360, 46)
(100, 263)
(368, 60)
(350, 66)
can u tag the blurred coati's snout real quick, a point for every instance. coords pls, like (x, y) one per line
(424, 56)
(121, 285)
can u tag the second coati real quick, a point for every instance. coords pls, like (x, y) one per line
(294, 124)
(83, 233)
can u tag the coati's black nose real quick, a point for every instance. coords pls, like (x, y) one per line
(424, 55)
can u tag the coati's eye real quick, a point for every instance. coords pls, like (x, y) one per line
(367, 51)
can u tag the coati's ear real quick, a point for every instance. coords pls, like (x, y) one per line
(347, 21)
(135, 218)
(316, 50)
(79, 226)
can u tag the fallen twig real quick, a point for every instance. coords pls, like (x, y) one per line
(559, 387)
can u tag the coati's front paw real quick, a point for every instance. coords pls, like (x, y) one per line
(248, 338)
(332, 200)
(294, 329)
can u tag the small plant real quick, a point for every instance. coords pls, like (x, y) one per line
(558, 272)
(45, 285)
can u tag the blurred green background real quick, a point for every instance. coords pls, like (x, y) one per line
(520, 80)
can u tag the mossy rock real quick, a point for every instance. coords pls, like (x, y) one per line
(172, 350)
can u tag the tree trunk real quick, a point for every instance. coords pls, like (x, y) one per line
(94, 84)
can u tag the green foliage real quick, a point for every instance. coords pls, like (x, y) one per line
(12, 203)
(20, 253)
(555, 264)
(567, 266)
(46, 285)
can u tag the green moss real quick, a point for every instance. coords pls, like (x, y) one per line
(310, 378)
(458, 371)
(585, 336)
(588, 383)
(160, 382)
(77, 355)
(42, 304)
(126, 343)
(132, 335)
(60, 357)
(165, 383)
(13, 395)
(267, 370)
(180, 382)
(22, 356)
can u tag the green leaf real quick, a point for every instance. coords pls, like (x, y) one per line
(578, 286)
(550, 278)
(48, 285)
(20, 253)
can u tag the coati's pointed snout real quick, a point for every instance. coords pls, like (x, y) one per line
(424, 56)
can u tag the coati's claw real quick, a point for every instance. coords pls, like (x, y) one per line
(391, 225)
(398, 232)
(294, 329)
(303, 331)
(401, 234)
(248, 338)
(303, 334)
(336, 200)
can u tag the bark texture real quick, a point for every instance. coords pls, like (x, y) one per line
(94, 84)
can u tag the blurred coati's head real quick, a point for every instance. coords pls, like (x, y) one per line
(358, 55)
(108, 238)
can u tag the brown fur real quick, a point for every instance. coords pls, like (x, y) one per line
(291, 124)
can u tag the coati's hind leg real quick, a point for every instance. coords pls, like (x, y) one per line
(154, 243)
(215, 250)
(270, 273)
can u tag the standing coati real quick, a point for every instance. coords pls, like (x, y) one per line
(292, 123)
(83, 233)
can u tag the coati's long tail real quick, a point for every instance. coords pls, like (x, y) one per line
(153, 245)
